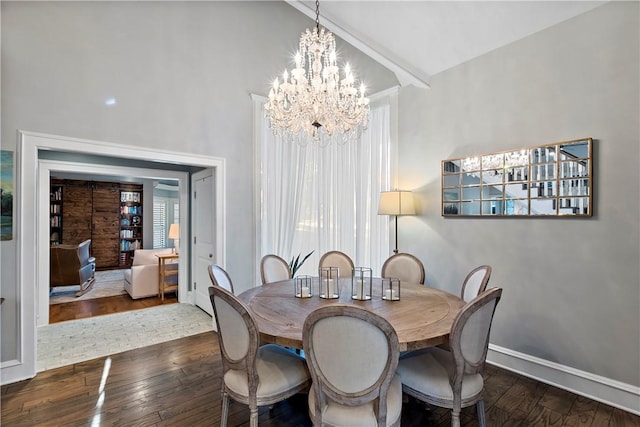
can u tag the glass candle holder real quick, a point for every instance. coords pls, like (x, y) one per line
(361, 283)
(391, 289)
(329, 282)
(302, 287)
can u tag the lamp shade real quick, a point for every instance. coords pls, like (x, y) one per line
(174, 231)
(396, 203)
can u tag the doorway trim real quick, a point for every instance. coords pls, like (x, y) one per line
(27, 172)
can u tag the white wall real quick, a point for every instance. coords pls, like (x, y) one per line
(571, 286)
(181, 73)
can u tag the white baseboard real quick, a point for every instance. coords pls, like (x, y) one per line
(611, 392)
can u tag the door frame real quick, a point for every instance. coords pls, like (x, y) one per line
(28, 227)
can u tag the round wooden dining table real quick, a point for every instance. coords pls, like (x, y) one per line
(422, 317)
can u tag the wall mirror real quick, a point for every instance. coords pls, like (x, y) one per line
(547, 180)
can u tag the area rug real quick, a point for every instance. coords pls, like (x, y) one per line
(108, 283)
(73, 341)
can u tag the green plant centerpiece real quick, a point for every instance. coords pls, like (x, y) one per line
(295, 263)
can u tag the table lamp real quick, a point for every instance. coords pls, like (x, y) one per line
(396, 203)
(174, 233)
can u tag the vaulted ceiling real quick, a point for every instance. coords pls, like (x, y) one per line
(417, 39)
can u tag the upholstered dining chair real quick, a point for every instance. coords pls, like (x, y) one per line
(353, 372)
(475, 283)
(337, 259)
(405, 267)
(274, 269)
(253, 375)
(453, 379)
(219, 277)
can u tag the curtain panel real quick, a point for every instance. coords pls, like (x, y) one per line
(326, 198)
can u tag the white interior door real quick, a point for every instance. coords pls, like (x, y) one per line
(203, 232)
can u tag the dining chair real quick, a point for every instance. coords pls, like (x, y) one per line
(337, 259)
(453, 379)
(475, 283)
(353, 372)
(405, 267)
(253, 375)
(219, 277)
(274, 269)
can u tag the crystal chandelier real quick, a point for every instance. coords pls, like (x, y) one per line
(313, 103)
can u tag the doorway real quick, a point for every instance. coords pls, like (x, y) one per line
(33, 227)
(48, 167)
(118, 215)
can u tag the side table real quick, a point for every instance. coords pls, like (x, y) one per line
(163, 273)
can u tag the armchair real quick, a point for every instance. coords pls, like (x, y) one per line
(72, 265)
(141, 280)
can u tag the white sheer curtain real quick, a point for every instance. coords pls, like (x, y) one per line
(326, 198)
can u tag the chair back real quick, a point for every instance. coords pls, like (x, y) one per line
(238, 335)
(274, 269)
(219, 277)
(469, 338)
(69, 264)
(405, 267)
(337, 259)
(475, 283)
(354, 366)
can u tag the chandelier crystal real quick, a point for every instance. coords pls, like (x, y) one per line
(312, 102)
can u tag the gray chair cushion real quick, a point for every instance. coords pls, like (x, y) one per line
(429, 370)
(363, 415)
(279, 370)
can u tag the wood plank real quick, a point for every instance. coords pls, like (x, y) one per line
(76, 218)
(522, 396)
(582, 412)
(542, 416)
(557, 400)
(106, 227)
(602, 416)
(620, 418)
(100, 306)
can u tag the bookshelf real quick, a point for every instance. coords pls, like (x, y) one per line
(130, 224)
(55, 215)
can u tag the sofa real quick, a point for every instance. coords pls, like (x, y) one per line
(72, 265)
(141, 280)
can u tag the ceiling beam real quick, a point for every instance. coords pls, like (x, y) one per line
(403, 73)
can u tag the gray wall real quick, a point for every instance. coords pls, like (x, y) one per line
(571, 287)
(181, 72)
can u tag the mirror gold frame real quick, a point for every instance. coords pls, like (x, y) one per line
(546, 180)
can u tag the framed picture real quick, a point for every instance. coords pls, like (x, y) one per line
(6, 195)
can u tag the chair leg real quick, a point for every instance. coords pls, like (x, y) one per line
(253, 421)
(482, 422)
(225, 409)
(455, 419)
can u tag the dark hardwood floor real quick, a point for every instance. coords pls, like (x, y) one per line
(100, 306)
(178, 383)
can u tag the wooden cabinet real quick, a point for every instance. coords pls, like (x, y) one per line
(94, 210)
